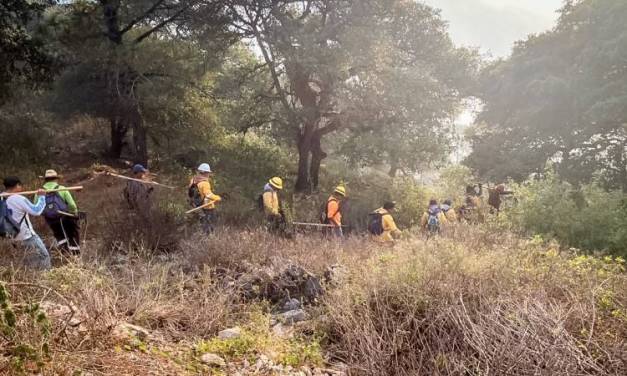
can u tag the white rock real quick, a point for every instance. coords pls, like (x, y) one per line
(283, 331)
(231, 333)
(291, 317)
(213, 360)
(125, 332)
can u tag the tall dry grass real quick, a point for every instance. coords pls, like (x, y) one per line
(475, 302)
(475, 307)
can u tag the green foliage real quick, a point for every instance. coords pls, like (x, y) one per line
(28, 135)
(256, 338)
(25, 58)
(26, 331)
(452, 183)
(588, 218)
(560, 97)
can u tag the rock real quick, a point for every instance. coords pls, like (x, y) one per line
(292, 317)
(130, 334)
(263, 363)
(282, 331)
(336, 275)
(313, 288)
(63, 313)
(279, 282)
(291, 305)
(213, 360)
(231, 333)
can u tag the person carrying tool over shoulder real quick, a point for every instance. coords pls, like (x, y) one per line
(433, 219)
(332, 214)
(494, 198)
(381, 225)
(61, 214)
(139, 195)
(271, 204)
(201, 194)
(17, 210)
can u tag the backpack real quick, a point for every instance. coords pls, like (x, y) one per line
(375, 223)
(8, 227)
(195, 199)
(260, 204)
(433, 222)
(54, 204)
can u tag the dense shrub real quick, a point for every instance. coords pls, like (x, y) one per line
(588, 218)
(447, 308)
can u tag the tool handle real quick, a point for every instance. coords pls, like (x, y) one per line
(28, 193)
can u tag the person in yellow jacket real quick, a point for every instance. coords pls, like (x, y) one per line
(333, 212)
(272, 205)
(201, 194)
(449, 211)
(382, 226)
(434, 218)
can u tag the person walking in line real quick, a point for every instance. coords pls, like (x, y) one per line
(61, 214)
(381, 224)
(333, 211)
(495, 198)
(138, 195)
(272, 205)
(20, 209)
(449, 212)
(201, 194)
(433, 219)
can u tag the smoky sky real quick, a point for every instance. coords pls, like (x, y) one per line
(494, 25)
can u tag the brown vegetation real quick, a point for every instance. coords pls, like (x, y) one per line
(484, 305)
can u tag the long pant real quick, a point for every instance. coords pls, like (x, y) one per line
(274, 223)
(207, 220)
(67, 232)
(334, 232)
(36, 255)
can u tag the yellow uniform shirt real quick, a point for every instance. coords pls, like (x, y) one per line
(441, 217)
(390, 230)
(206, 193)
(270, 202)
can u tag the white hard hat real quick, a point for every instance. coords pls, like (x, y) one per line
(204, 168)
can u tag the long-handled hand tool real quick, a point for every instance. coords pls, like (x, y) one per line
(313, 224)
(29, 193)
(101, 170)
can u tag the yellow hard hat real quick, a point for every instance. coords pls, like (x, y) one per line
(276, 182)
(340, 190)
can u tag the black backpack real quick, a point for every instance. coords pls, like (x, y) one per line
(375, 223)
(8, 227)
(260, 204)
(195, 199)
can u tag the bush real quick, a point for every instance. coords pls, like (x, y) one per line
(445, 308)
(588, 218)
(25, 142)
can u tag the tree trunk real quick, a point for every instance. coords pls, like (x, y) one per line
(118, 133)
(317, 155)
(303, 183)
(140, 140)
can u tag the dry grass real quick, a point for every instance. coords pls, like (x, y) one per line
(479, 303)
(510, 308)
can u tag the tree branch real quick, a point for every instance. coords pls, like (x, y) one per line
(161, 25)
(143, 16)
